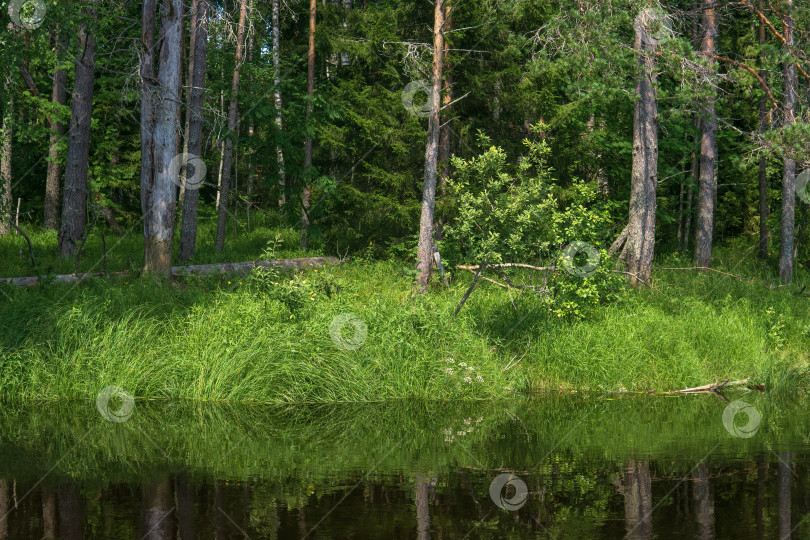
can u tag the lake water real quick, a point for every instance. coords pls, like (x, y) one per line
(559, 467)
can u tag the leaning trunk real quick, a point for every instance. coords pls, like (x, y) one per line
(708, 148)
(74, 203)
(425, 253)
(639, 248)
(789, 171)
(233, 110)
(199, 37)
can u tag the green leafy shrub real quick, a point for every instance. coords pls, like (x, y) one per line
(508, 213)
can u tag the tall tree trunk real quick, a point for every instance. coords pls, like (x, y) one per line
(233, 111)
(148, 98)
(425, 251)
(282, 177)
(5, 160)
(763, 161)
(159, 194)
(313, 6)
(789, 171)
(54, 176)
(708, 146)
(194, 139)
(74, 203)
(193, 23)
(444, 130)
(640, 246)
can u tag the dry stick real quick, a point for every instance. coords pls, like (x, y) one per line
(752, 71)
(711, 270)
(472, 286)
(498, 283)
(30, 246)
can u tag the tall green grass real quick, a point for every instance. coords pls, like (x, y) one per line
(236, 338)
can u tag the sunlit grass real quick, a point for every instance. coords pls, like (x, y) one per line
(235, 338)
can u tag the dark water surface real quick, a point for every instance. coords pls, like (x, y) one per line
(561, 467)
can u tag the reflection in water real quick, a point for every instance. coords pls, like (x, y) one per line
(704, 503)
(422, 507)
(637, 491)
(185, 492)
(4, 508)
(49, 516)
(298, 473)
(71, 512)
(156, 511)
(785, 471)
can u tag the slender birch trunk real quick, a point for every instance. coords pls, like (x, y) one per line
(233, 111)
(54, 175)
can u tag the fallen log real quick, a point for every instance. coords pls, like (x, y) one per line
(183, 271)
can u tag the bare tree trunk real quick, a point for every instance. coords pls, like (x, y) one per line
(708, 147)
(193, 23)
(640, 246)
(159, 194)
(763, 162)
(74, 204)
(313, 6)
(425, 252)
(282, 177)
(789, 172)
(233, 111)
(54, 176)
(194, 139)
(148, 97)
(5, 161)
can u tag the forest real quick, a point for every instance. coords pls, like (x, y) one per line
(404, 269)
(543, 163)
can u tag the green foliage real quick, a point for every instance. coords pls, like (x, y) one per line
(514, 214)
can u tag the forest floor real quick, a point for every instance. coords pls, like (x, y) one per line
(239, 338)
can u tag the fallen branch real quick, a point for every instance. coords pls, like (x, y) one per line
(472, 286)
(710, 270)
(182, 271)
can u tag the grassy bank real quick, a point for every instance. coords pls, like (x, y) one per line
(269, 340)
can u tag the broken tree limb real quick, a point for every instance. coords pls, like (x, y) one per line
(197, 269)
(472, 286)
(619, 242)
